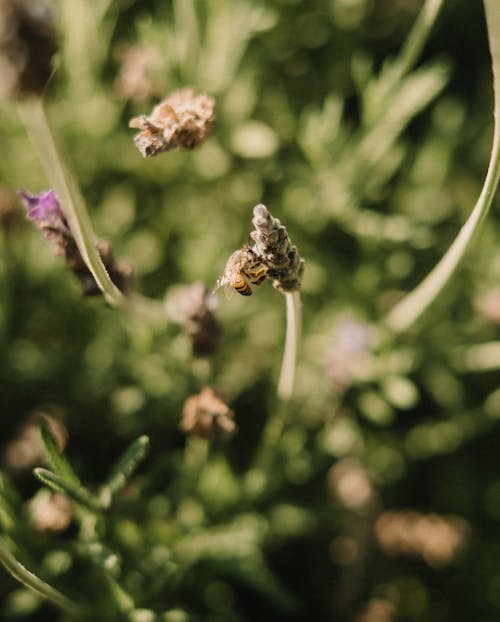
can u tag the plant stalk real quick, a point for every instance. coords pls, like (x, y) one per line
(31, 581)
(416, 39)
(287, 373)
(414, 304)
(34, 116)
(276, 423)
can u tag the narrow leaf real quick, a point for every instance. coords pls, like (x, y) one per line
(124, 468)
(414, 304)
(57, 460)
(75, 492)
(31, 581)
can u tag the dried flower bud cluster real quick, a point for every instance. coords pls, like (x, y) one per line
(45, 212)
(27, 45)
(183, 119)
(437, 539)
(275, 250)
(206, 415)
(193, 306)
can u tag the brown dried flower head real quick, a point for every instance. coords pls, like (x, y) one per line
(193, 306)
(27, 45)
(275, 250)
(183, 119)
(437, 539)
(206, 415)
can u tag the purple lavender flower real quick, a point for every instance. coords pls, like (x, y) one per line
(44, 209)
(46, 214)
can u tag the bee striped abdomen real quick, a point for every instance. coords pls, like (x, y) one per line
(241, 286)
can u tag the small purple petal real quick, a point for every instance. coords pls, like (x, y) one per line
(43, 208)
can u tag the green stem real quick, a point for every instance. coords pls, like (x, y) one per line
(276, 423)
(414, 304)
(287, 374)
(416, 40)
(35, 119)
(27, 578)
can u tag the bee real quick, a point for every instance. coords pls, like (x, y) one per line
(243, 267)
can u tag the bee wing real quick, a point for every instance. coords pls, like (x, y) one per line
(223, 281)
(228, 291)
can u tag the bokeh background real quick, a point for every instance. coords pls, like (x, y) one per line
(383, 503)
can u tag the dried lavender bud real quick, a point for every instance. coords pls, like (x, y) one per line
(182, 119)
(193, 306)
(45, 212)
(27, 45)
(206, 415)
(276, 251)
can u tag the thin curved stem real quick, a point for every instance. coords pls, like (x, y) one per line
(416, 39)
(414, 304)
(27, 578)
(276, 423)
(287, 374)
(37, 124)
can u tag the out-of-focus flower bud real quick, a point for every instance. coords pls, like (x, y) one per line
(436, 539)
(193, 306)
(26, 449)
(350, 485)
(349, 351)
(206, 415)
(135, 80)
(50, 511)
(27, 45)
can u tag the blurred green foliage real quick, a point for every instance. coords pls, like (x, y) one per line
(373, 173)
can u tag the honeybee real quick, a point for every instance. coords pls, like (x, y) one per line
(243, 267)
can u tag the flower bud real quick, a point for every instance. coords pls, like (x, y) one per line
(182, 119)
(27, 45)
(206, 415)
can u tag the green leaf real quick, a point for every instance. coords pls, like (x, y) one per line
(124, 468)
(75, 492)
(414, 304)
(31, 581)
(412, 95)
(57, 460)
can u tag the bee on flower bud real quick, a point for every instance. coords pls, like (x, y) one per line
(243, 269)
